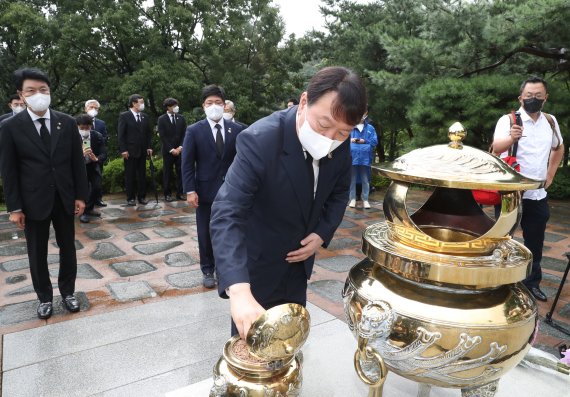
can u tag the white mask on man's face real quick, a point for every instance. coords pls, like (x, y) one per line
(175, 109)
(39, 102)
(141, 107)
(17, 109)
(316, 144)
(214, 112)
(228, 116)
(85, 133)
(92, 112)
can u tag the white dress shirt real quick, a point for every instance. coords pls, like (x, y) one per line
(37, 124)
(214, 130)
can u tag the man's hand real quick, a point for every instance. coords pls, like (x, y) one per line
(125, 155)
(175, 152)
(244, 308)
(149, 152)
(192, 199)
(516, 132)
(310, 245)
(79, 207)
(18, 218)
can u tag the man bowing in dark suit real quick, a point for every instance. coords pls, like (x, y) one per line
(171, 128)
(284, 196)
(208, 151)
(44, 183)
(135, 144)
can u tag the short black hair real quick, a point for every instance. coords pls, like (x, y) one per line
(169, 102)
(84, 119)
(294, 100)
(29, 74)
(351, 101)
(213, 90)
(533, 80)
(134, 99)
(13, 97)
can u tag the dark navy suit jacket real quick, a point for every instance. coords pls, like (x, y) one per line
(265, 207)
(101, 128)
(202, 170)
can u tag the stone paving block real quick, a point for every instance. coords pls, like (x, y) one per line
(355, 215)
(136, 237)
(132, 268)
(114, 212)
(339, 263)
(6, 225)
(18, 278)
(372, 222)
(98, 234)
(8, 235)
(191, 279)
(131, 290)
(156, 214)
(78, 245)
(21, 264)
(154, 248)
(178, 204)
(330, 289)
(553, 264)
(179, 259)
(106, 251)
(343, 243)
(13, 249)
(565, 311)
(84, 271)
(169, 232)
(26, 311)
(551, 277)
(4, 217)
(553, 237)
(27, 289)
(88, 226)
(140, 225)
(345, 224)
(184, 219)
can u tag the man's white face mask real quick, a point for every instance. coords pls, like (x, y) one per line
(214, 112)
(316, 144)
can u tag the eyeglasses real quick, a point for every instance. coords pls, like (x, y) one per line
(537, 96)
(33, 91)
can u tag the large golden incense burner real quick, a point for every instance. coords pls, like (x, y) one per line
(438, 299)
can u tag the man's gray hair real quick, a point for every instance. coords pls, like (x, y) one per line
(231, 105)
(90, 101)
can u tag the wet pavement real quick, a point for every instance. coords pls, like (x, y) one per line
(137, 255)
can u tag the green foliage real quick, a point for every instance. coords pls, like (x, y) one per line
(560, 188)
(114, 176)
(379, 181)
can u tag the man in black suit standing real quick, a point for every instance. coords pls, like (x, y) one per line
(44, 183)
(92, 107)
(135, 144)
(16, 105)
(208, 151)
(171, 129)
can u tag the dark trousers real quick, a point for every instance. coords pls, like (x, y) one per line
(37, 236)
(291, 289)
(100, 196)
(95, 180)
(170, 161)
(135, 172)
(203, 213)
(535, 214)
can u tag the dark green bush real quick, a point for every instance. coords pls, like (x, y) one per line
(560, 188)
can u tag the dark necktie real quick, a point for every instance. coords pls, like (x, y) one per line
(219, 140)
(311, 170)
(44, 133)
(138, 118)
(173, 119)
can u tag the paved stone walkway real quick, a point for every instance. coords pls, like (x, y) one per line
(132, 256)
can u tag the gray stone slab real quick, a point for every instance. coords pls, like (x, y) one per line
(184, 219)
(11, 235)
(98, 234)
(343, 243)
(140, 225)
(156, 214)
(84, 271)
(13, 249)
(178, 204)
(551, 277)
(136, 237)
(191, 279)
(26, 311)
(553, 263)
(339, 263)
(372, 222)
(114, 327)
(114, 212)
(565, 311)
(106, 251)
(169, 232)
(179, 259)
(355, 215)
(330, 289)
(4, 217)
(18, 278)
(132, 268)
(346, 224)
(21, 264)
(131, 290)
(553, 237)
(88, 226)
(154, 248)
(27, 289)
(6, 225)
(78, 245)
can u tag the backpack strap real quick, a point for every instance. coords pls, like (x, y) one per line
(553, 126)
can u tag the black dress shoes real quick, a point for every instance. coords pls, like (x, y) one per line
(538, 294)
(71, 303)
(180, 197)
(131, 203)
(45, 310)
(93, 213)
(143, 202)
(208, 280)
(168, 199)
(100, 203)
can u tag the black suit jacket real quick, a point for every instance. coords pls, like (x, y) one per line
(6, 116)
(202, 170)
(265, 207)
(30, 172)
(134, 138)
(98, 145)
(171, 136)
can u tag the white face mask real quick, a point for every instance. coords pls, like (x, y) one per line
(92, 112)
(175, 109)
(18, 109)
(141, 107)
(316, 144)
(84, 133)
(39, 102)
(228, 116)
(214, 112)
